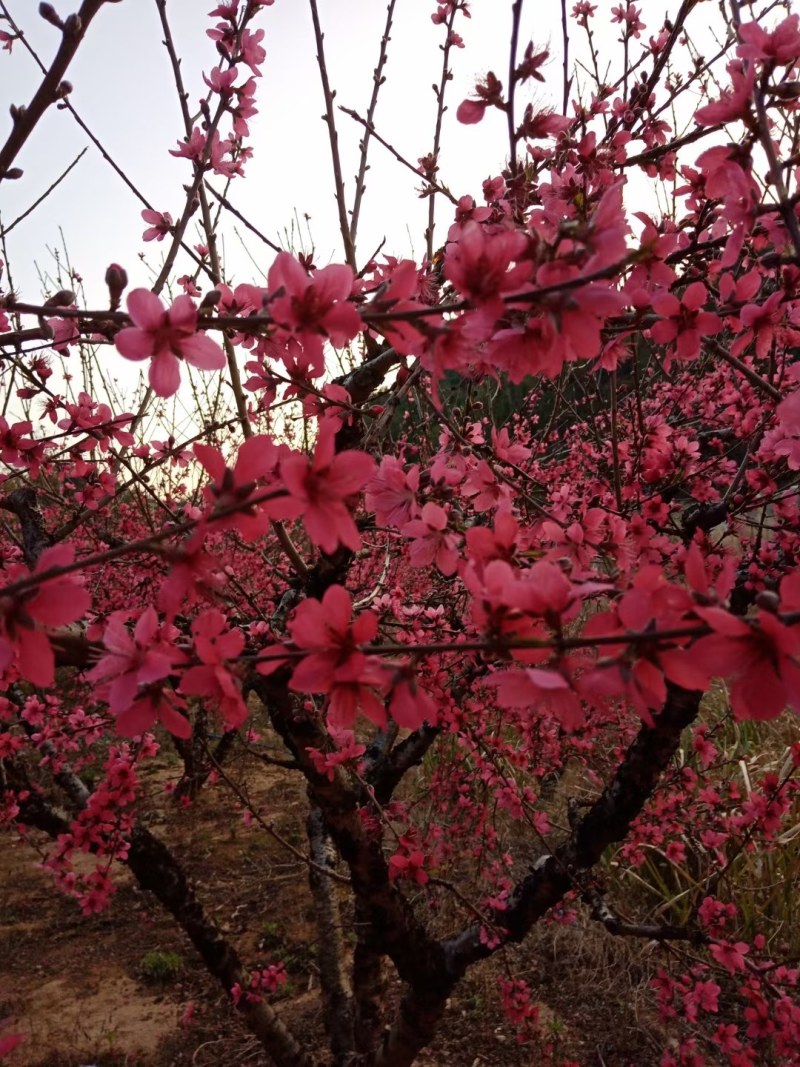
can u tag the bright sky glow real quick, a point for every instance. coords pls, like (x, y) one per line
(123, 89)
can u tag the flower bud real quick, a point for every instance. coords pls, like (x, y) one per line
(49, 14)
(62, 299)
(769, 601)
(210, 300)
(116, 280)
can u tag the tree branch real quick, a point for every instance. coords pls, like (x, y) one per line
(52, 87)
(336, 995)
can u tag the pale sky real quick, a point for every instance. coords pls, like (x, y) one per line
(123, 90)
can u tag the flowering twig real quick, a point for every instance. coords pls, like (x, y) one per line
(437, 131)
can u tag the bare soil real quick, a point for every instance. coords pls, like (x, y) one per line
(75, 987)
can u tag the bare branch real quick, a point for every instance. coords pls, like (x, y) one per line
(52, 88)
(377, 81)
(333, 136)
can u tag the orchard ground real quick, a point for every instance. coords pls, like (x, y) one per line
(125, 989)
(79, 991)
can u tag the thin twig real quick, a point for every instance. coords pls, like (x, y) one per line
(516, 14)
(52, 88)
(246, 222)
(755, 379)
(329, 119)
(437, 132)
(435, 186)
(377, 81)
(7, 229)
(565, 48)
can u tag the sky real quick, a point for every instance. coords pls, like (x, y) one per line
(124, 91)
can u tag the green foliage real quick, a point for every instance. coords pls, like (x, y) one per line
(161, 968)
(271, 936)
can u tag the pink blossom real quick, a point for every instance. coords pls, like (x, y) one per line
(545, 692)
(484, 545)
(583, 11)
(160, 225)
(489, 93)
(215, 645)
(466, 211)
(684, 322)
(336, 665)
(431, 542)
(391, 492)
(529, 67)
(187, 283)
(410, 705)
(315, 306)
(703, 997)
(408, 861)
(221, 81)
(727, 176)
(348, 750)
(735, 102)
(730, 956)
(478, 264)
(650, 271)
(507, 450)
(630, 16)
(228, 9)
(65, 331)
(227, 157)
(318, 489)
(471, 112)
(165, 337)
(193, 147)
(253, 55)
(17, 446)
(244, 108)
(725, 1038)
(543, 123)
(147, 655)
(257, 460)
(531, 349)
(781, 46)
(641, 684)
(155, 703)
(761, 323)
(327, 630)
(192, 572)
(788, 415)
(761, 660)
(484, 489)
(54, 602)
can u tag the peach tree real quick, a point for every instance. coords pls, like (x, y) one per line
(499, 544)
